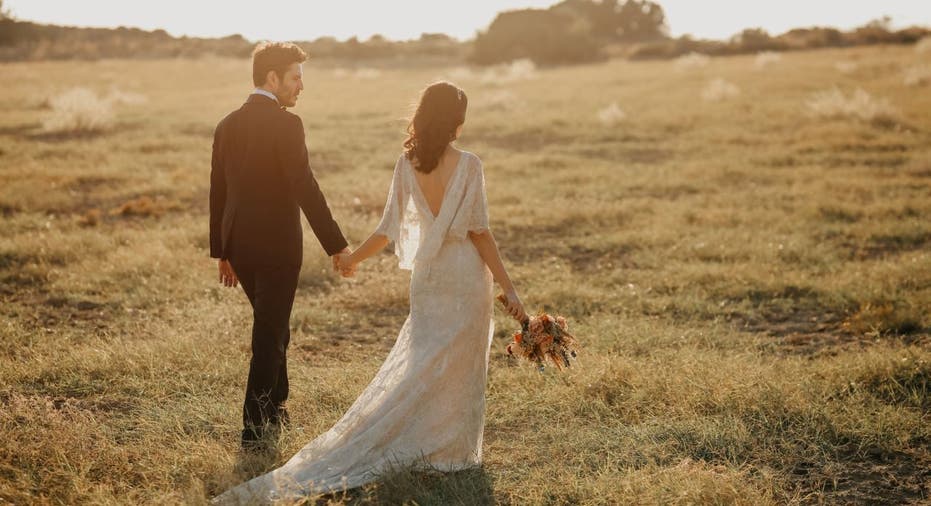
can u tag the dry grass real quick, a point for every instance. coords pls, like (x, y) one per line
(750, 286)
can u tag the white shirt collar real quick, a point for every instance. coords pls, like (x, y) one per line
(260, 91)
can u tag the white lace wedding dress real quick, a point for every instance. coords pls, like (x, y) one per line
(426, 405)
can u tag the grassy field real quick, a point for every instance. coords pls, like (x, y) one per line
(741, 246)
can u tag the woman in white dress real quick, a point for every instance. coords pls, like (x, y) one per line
(426, 405)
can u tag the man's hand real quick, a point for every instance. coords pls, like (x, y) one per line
(346, 266)
(227, 276)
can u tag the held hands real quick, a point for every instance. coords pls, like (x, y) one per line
(343, 263)
(227, 276)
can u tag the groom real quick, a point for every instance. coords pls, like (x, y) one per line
(260, 180)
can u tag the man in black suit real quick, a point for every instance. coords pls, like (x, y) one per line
(260, 180)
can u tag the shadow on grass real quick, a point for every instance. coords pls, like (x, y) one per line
(414, 486)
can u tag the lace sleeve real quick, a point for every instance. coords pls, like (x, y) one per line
(473, 215)
(390, 224)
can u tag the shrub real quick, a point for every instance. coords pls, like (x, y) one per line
(860, 105)
(766, 58)
(918, 75)
(78, 110)
(719, 90)
(846, 67)
(611, 115)
(923, 45)
(692, 61)
(517, 70)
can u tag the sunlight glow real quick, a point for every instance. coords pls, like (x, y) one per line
(407, 19)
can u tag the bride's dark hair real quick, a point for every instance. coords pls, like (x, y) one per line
(441, 110)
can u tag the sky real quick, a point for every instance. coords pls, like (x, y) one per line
(407, 19)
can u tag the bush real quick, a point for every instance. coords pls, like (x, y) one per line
(78, 110)
(719, 90)
(918, 75)
(860, 105)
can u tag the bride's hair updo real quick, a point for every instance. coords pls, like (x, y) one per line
(441, 110)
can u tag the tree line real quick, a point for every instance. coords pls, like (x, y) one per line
(572, 31)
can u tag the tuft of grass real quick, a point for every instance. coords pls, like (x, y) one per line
(859, 105)
(611, 115)
(923, 45)
(765, 59)
(691, 61)
(517, 70)
(719, 90)
(917, 75)
(846, 67)
(77, 111)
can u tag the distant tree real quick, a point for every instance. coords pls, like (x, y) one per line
(544, 36)
(753, 40)
(436, 38)
(5, 12)
(619, 21)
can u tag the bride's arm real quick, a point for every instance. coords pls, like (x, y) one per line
(374, 244)
(488, 249)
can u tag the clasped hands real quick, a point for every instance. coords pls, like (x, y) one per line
(343, 264)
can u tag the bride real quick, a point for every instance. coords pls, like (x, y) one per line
(426, 405)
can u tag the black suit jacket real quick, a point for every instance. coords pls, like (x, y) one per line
(260, 179)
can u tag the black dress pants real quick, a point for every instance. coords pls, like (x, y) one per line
(271, 292)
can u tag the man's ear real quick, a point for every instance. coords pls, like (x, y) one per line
(271, 79)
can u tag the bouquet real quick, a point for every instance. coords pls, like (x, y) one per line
(544, 338)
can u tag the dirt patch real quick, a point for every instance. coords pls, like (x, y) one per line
(879, 246)
(54, 311)
(8, 210)
(566, 240)
(622, 154)
(797, 318)
(23, 273)
(663, 192)
(588, 260)
(873, 476)
(522, 140)
(157, 147)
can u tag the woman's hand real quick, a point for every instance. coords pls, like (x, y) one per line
(346, 264)
(513, 305)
